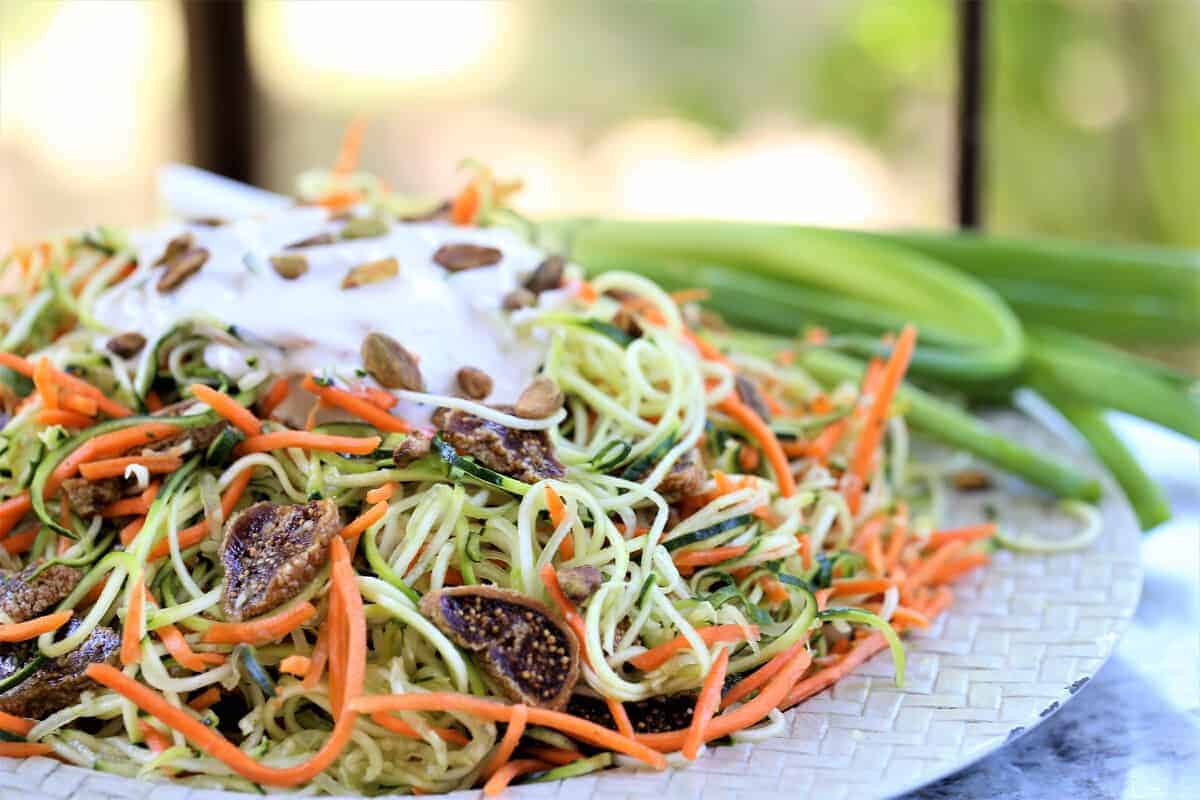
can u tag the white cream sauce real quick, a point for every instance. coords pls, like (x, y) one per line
(311, 325)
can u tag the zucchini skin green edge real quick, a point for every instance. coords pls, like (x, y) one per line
(37, 487)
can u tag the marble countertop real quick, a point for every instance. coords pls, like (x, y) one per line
(1133, 732)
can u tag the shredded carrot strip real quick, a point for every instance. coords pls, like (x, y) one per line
(565, 606)
(60, 416)
(239, 416)
(744, 715)
(713, 555)
(505, 775)
(749, 458)
(774, 589)
(805, 549)
(899, 538)
(153, 736)
(115, 467)
(274, 396)
(183, 653)
(465, 205)
(969, 533)
(554, 755)
(213, 743)
(399, 726)
(706, 705)
(863, 649)
(106, 404)
(875, 560)
(86, 406)
(205, 699)
(12, 509)
(620, 716)
(108, 444)
(655, 657)
(960, 567)
(44, 383)
(21, 541)
(861, 586)
(19, 726)
(766, 438)
(586, 292)
(24, 749)
(320, 655)
(22, 631)
(759, 678)
(131, 530)
(377, 397)
(579, 728)
(365, 520)
(555, 506)
(558, 513)
(153, 402)
(348, 639)
(135, 615)
(263, 630)
(512, 737)
(353, 404)
(942, 599)
(893, 373)
(354, 445)
(382, 493)
(295, 665)
(927, 569)
(132, 505)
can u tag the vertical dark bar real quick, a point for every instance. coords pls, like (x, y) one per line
(972, 41)
(219, 88)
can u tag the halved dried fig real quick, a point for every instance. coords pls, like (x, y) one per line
(530, 653)
(271, 551)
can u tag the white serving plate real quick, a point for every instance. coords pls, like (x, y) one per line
(1024, 635)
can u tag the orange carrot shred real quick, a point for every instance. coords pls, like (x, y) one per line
(205, 699)
(512, 738)
(274, 396)
(135, 614)
(706, 704)
(22, 631)
(238, 415)
(262, 630)
(655, 657)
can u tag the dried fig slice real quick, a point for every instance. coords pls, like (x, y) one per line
(271, 551)
(530, 653)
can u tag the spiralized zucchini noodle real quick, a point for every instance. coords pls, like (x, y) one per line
(803, 545)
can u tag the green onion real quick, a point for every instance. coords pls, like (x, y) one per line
(1122, 293)
(781, 277)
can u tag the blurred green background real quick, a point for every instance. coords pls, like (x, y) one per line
(828, 111)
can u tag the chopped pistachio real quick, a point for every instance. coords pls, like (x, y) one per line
(388, 362)
(464, 256)
(290, 265)
(371, 272)
(363, 228)
(539, 399)
(475, 383)
(182, 267)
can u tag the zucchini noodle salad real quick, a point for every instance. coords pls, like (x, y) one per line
(357, 496)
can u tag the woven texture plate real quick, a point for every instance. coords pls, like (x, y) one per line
(1024, 635)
